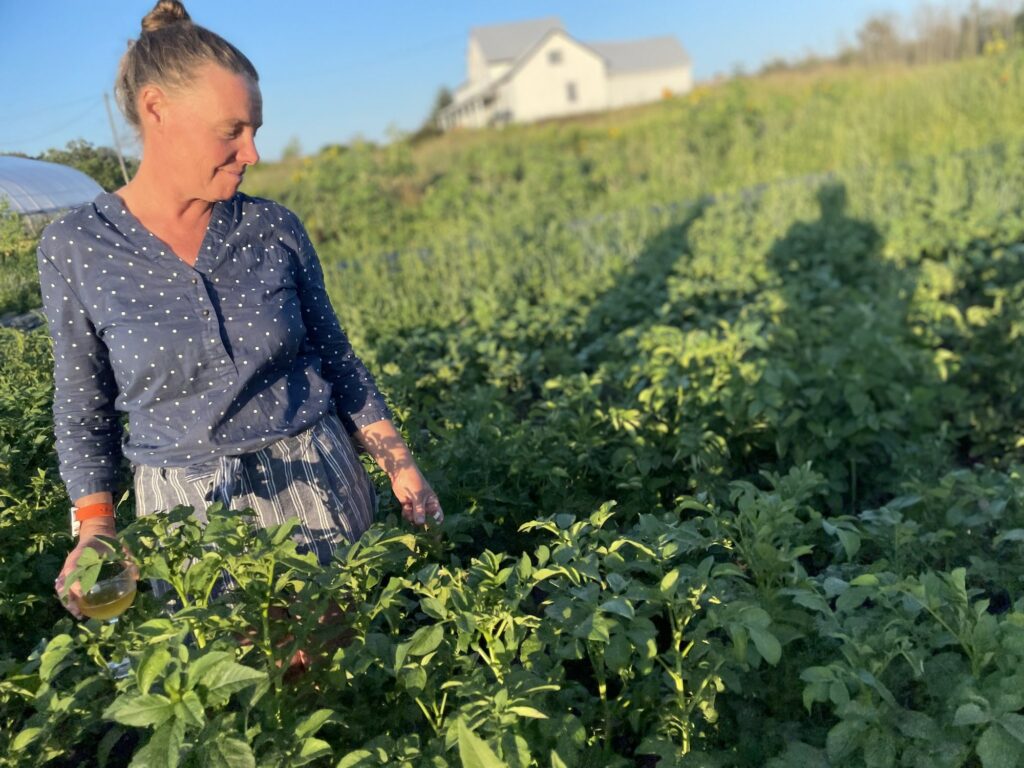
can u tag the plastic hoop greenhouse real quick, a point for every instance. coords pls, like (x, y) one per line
(37, 189)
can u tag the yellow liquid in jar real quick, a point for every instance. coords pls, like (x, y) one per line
(104, 602)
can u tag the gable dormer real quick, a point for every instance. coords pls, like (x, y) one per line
(492, 50)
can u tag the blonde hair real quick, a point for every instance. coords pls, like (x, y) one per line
(168, 53)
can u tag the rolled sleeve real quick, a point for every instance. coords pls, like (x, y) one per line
(354, 391)
(85, 423)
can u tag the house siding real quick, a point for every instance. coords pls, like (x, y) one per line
(476, 64)
(644, 87)
(539, 89)
(583, 78)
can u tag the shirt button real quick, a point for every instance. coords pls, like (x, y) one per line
(195, 281)
(206, 313)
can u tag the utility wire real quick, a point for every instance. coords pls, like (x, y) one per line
(49, 108)
(76, 119)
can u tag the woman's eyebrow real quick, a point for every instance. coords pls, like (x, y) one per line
(234, 122)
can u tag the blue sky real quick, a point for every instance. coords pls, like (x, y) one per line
(333, 70)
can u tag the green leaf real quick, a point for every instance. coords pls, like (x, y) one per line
(842, 740)
(474, 751)
(357, 759)
(865, 580)
(227, 678)
(311, 749)
(200, 667)
(56, 651)
(997, 749)
(228, 752)
(139, 711)
(879, 749)
(160, 630)
(425, 640)
(617, 582)
(312, 723)
(817, 675)
(850, 541)
(86, 570)
(668, 581)
(619, 606)
(838, 694)
(190, 710)
(153, 663)
(163, 750)
(1015, 534)
(595, 628)
(1014, 725)
(766, 643)
(618, 653)
(434, 608)
(524, 711)
(852, 598)
(970, 714)
(25, 738)
(917, 725)
(106, 745)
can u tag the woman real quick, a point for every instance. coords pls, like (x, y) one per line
(202, 313)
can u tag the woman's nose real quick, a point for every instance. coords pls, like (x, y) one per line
(247, 153)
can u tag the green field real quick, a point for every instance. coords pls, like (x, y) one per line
(724, 401)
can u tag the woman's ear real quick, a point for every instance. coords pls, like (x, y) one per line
(152, 107)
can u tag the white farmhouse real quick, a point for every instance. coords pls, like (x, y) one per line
(533, 70)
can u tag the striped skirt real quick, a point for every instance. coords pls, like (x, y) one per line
(315, 476)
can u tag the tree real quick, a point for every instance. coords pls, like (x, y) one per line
(98, 162)
(432, 125)
(878, 40)
(292, 150)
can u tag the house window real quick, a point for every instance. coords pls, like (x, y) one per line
(554, 56)
(570, 91)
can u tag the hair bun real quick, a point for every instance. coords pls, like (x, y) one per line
(164, 13)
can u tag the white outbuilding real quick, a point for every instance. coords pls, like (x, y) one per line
(533, 70)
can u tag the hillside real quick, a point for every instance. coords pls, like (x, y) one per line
(472, 196)
(722, 398)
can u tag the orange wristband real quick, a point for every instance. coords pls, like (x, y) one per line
(90, 511)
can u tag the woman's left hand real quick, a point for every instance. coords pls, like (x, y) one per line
(419, 502)
(420, 505)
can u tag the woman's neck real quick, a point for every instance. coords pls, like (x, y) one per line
(151, 199)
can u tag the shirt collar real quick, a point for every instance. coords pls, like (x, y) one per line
(223, 219)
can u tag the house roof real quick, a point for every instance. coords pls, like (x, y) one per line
(504, 42)
(638, 55)
(35, 186)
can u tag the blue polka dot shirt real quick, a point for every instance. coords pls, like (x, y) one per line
(218, 359)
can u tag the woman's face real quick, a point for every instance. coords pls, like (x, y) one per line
(204, 137)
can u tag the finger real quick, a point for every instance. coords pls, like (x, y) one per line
(419, 511)
(434, 507)
(70, 599)
(407, 511)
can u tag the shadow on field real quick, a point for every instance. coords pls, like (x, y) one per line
(846, 384)
(832, 373)
(641, 292)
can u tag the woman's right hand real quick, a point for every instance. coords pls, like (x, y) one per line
(88, 538)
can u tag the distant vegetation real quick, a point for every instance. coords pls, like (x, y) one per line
(932, 34)
(19, 279)
(395, 223)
